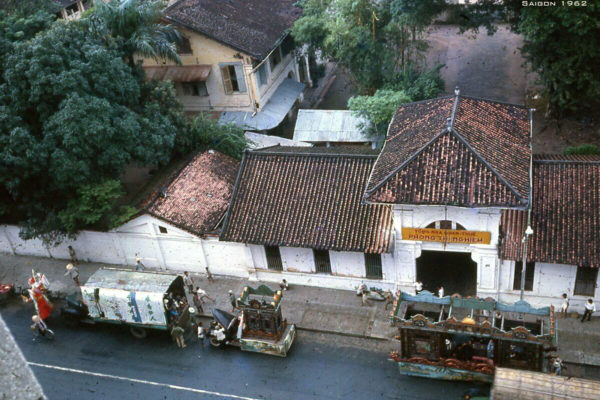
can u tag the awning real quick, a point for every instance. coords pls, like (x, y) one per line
(186, 73)
(272, 113)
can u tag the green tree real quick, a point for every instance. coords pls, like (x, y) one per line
(72, 117)
(378, 109)
(17, 27)
(134, 27)
(352, 32)
(562, 45)
(582, 149)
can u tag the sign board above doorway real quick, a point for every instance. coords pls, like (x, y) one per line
(446, 235)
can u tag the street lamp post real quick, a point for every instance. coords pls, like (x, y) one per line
(528, 232)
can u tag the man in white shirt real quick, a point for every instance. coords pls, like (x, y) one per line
(590, 308)
(565, 305)
(441, 292)
(188, 282)
(418, 287)
(73, 272)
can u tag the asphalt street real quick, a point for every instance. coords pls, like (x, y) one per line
(106, 362)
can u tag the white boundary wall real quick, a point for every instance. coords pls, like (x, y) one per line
(179, 250)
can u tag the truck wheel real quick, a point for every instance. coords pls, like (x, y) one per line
(137, 332)
(214, 342)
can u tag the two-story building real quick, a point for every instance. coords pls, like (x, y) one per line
(237, 59)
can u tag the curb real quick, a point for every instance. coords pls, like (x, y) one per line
(355, 335)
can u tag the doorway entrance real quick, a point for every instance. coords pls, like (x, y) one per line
(456, 272)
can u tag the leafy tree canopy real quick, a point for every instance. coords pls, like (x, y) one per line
(378, 109)
(72, 117)
(562, 45)
(376, 39)
(408, 86)
(134, 27)
(582, 149)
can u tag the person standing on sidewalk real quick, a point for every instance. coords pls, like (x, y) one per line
(73, 272)
(188, 282)
(590, 308)
(73, 256)
(565, 305)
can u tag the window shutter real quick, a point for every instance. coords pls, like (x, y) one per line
(239, 73)
(226, 80)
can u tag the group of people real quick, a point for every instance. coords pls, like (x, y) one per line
(469, 350)
(418, 285)
(178, 305)
(588, 309)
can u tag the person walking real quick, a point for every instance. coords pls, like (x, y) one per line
(177, 335)
(389, 299)
(590, 308)
(283, 285)
(73, 272)
(364, 299)
(39, 326)
(209, 276)
(565, 305)
(188, 282)
(557, 365)
(73, 256)
(201, 334)
(139, 266)
(232, 300)
(198, 303)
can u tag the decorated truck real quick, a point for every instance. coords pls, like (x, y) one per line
(259, 327)
(466, 339)
(140, 300)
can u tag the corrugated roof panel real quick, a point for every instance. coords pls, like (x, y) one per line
(329, 126)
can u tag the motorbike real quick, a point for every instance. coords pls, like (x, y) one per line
(373, 293)
(6, 290)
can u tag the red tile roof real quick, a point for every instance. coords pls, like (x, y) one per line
(198, 195)
(254, 27)
(307, 197)
(454, 151)
(565, 214)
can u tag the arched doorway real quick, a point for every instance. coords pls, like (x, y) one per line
(455, 271)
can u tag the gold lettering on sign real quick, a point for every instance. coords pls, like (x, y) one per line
(446, 236)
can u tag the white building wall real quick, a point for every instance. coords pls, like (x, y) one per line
(179, 250)
(296, 259)
(406, 252)
(348, 264)
(549, 283)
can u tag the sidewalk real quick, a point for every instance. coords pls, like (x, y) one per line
(310, 308)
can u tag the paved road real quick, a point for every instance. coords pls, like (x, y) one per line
(106, 362)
